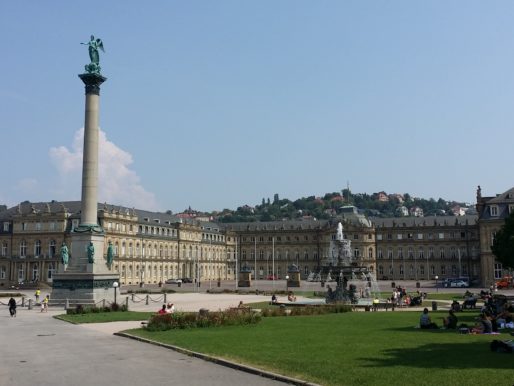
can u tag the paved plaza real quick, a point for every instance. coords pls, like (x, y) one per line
(41, 350)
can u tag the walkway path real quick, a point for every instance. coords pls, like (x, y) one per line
(40, 350)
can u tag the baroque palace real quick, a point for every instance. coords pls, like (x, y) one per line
(152, 247)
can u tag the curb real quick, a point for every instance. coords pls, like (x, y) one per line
(222, 362)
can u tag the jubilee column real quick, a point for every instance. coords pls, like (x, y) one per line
(88, 276)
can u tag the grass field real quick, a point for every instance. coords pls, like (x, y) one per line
(361, 348)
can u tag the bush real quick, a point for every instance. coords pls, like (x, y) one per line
(81, 309)
(181, 320)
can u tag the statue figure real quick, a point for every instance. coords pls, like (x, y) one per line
(110, 254)
(94, 45)
(64, 255)
(91, 253)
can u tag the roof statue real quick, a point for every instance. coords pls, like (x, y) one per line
(94, 45)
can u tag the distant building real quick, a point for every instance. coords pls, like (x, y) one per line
(382, 197)
(416, 211)
(492, 212)
(402, 211)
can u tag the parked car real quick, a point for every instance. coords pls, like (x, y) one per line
(173, 281)
(504, 282)
(186, 280)
(272, 277)
(459, 284)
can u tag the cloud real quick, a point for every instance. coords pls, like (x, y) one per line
(117, 183)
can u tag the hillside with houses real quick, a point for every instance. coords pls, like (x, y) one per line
(380, 204)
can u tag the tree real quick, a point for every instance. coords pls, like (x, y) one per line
(503, 245)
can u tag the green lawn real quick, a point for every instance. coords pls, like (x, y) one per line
(104, 317)
(360, 348)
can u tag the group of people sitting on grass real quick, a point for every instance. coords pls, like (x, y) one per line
(496, 313)
(167, 309)
(425, 321)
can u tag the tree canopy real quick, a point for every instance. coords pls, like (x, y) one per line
(503, 245)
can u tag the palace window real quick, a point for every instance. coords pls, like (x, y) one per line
(390, 253)
(441, 253)
(400, 252)
(498, 269)
(494, 210)
(411, 253)
(370, 253)
(37, 248)
(380, 270)
(4, 248)
(380, 254)
(6, 227)
(35, 272)
(23, 248)
(3, 272)
(51, 248)
(51, 270)
(421, 253)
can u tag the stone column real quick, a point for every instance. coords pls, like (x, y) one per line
(90, 161)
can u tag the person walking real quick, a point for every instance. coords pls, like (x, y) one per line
(37, 294)
(12, 307)
(44, 303)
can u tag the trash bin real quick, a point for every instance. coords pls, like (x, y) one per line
(393, 285)
(434, 306)
(180, 284)
(322, 284)
(418, 285)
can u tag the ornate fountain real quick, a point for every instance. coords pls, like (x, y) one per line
(354, 283)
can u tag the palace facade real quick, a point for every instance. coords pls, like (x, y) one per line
(151, 247)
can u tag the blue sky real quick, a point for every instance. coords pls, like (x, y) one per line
(217, 104)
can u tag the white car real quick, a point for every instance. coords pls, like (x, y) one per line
(173, 281)
(459, 284)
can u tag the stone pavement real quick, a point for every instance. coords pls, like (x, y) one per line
(40, 350)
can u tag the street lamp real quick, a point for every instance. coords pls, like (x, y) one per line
(115, 286)
(436, 286)
(287, 283)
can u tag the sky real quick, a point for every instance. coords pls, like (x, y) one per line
(218, 104)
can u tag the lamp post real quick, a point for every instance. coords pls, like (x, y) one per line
(115, 286)
(436, 286)
(287, 283)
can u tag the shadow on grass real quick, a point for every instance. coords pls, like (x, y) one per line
(469, 355)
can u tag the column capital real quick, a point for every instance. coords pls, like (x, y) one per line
(92, 82)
